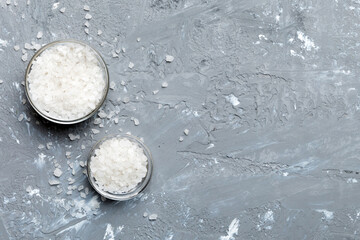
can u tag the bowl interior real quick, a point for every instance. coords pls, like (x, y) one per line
(135, 191)
(102, 64)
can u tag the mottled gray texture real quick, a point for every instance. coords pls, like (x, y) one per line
(269, 90)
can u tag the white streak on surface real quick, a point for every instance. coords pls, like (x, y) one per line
(109, 232)
(233, 230)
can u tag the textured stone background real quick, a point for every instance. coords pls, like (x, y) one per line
(269, 90)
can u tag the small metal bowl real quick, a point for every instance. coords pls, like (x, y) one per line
(102, 64)
(135, 191)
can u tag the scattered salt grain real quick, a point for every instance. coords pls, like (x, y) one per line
(16, 47)
(57, 173)
(8, 2)
(68, 155)
(1, 81)
(21, 117)
(70, 91)
(88, 16)
(181, 139)
(87, 24)
(41, 146)
(138, 39)
(186, 131)
(39, 35)
(62, 10)
(86, 30)
(102, 114)
(131, 65)
(54, 182)
(24, 57)
(86, 8)
(136, 122)
(118, 165)
(71, 180)
(153, 217)
(145, 214)
(36, 46)
(48, 145)
(99, 32)
(126, 100)
(164, 85)
(97, 121)
(169, 58)
(59, 191)
(55, 6)
(112, 85)
(116, 120)
(23, 101)
(69, 192)
(123, 50)
(83, 195)
(114, 54)
(86, 190)
(81, 187)
(82, 147)
(82, 164)
(95, 131)
(74, 137)
(155, 92)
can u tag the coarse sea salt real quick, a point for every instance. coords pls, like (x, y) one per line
(118, 165)
(66, 81)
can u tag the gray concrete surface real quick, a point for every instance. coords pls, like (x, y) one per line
(269, 90)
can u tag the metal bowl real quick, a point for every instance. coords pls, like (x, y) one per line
(102, 64)
(136, 190)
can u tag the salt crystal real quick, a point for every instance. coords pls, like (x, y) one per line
(23, 101)
(117, 51)
(86, 8)
(68, 155)
(24, 57)
(28, 2)
(86, 30)
(112, 85)
(131, 65)
(62, 10)
(101, 125)
(73, 137)
(99, 32)
(97, 121)
(169, 58)
(153, 217)
(71, 165)
(145, 214)
(15, 3)
(23, 51)
(181, 139)
(138, 39)
(126, 100)
(123, 83)
(59, 191)
(1, 81)
(155, 92)
(41, 146)
(21, 117)
(48, 145)
(23, 83)
(71, 180)
(136, 121)
(123, 50)
(16, 47)
(116, 120)
(57, 173)
(114, 54)
(160, 106)
(88, 16)
(55, 5)
(81, 187)
(54, 182)
(186, 131)
(37, 46)
(87, 24)
(95, 131)
(131, 168)
(86, 190)
(39, 35)
(82, 164)
(8, 2)
(69, 192)
(164, 85)
(102, 114)
(73, 172)
(82, 147)
(83, 195)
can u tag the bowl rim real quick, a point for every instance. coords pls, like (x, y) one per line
(139, 188)
(61, 121)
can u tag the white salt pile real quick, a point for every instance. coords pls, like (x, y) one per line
(66, 81)
(118, 165)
